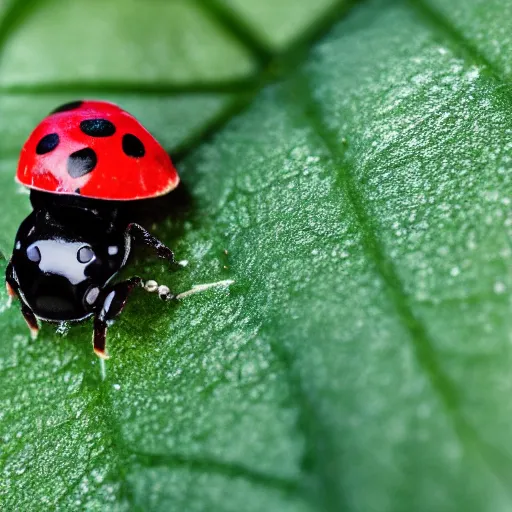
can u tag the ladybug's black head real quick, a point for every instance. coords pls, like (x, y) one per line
(63, 258)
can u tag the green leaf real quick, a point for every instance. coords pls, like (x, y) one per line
(157, 42)
(361, 204)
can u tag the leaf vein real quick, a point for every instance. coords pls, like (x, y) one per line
(210, 466)
(238, 29)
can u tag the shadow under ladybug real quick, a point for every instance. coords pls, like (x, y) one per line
(85, 211)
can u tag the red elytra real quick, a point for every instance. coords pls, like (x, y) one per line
(95, 149)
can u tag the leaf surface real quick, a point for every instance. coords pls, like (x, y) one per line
(362, 207)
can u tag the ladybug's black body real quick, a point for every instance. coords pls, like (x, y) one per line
(65, 254)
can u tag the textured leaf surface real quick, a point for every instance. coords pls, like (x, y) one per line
(362, 359)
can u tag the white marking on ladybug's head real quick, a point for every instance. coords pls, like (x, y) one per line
(113, 250)
(92, 295)
(61, 258)
(85, 254)
(107, 304)
(18, 245)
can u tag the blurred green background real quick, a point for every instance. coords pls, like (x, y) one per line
(348, 165)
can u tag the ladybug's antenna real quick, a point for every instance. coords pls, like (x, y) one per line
(165, 294)
(198, 288)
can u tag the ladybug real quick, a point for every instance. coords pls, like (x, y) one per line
(86, 165)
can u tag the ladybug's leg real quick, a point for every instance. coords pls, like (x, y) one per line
(10, 283)
(137, 233)
(31, 320)
(12, 290)
(112, 301)
(10, 293)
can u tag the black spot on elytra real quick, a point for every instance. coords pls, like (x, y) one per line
(97, 127)
(132, 146)
(82, 162)
(72, 105)
(47, 143)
